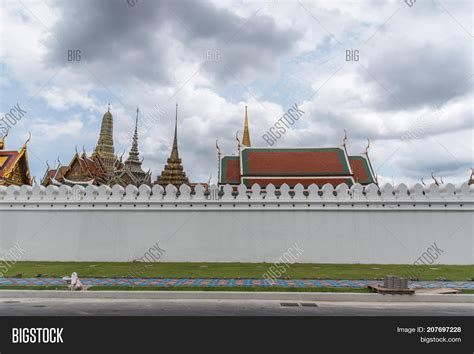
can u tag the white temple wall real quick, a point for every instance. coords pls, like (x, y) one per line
(356, 225)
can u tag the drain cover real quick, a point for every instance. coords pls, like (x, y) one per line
(309, 304)
(289, 304)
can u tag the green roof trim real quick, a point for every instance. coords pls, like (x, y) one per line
(340, 152)
(367, 169)
(223, 176)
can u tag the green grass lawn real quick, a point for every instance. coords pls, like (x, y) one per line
(235, 270)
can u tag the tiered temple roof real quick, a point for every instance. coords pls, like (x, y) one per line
(102, 167)
(173, 173)
(294, 165)
(14, 166)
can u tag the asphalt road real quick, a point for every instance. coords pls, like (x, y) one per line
(159, 307)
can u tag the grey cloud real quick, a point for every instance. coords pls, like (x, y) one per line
(417, 168)
(123, 42)
(418, 76)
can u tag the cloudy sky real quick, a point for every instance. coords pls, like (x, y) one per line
(408, 88)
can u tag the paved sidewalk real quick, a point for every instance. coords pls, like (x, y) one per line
(164, 282)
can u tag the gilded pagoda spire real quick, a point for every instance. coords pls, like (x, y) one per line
(246, 136)
(134, 154)
(174, 150)
(133, 165)
(105, 145)
(173, 173)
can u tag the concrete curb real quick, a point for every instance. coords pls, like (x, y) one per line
(236, 295)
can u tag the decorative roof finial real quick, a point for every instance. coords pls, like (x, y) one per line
(238, 142)
(218, 161)
(423, 181)
(366, 151)
(344, 139)
(108, 107)
(434, 179)
(29, 138)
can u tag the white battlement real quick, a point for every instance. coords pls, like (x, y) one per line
(357, 196)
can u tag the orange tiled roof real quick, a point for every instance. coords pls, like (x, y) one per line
(295, 162)
(7, 161)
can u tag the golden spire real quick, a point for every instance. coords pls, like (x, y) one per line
(246, 136)
(105, 145)
(173, 173)
(134, 154)
(174, 150)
